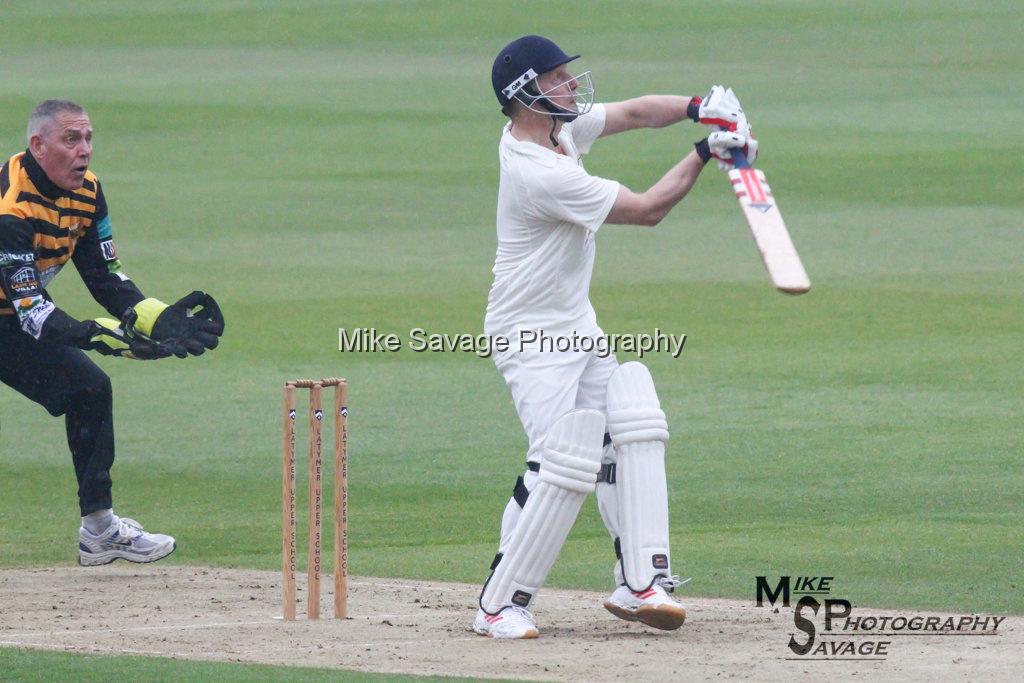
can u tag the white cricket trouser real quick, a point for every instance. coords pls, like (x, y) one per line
(547, 385)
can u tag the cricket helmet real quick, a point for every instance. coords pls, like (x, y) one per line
(515, 71)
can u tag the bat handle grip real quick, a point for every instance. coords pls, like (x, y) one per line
(739, 159)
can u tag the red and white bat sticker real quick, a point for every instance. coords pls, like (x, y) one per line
(751, 185)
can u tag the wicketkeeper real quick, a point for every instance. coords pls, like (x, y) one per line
(592, 424)
(52, 210)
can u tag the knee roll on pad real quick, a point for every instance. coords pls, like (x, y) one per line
(569, 465)
(639, 431)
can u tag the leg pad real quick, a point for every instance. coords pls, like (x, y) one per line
(569, 466)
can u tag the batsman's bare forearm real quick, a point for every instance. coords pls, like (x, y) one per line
(649, 111)
(658, 111)
(648, 208)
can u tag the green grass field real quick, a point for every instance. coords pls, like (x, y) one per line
(25, 666)
(327, 165)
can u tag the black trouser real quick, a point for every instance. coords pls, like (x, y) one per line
(63, 380)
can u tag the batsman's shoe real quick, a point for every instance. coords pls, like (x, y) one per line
(124, 539)
(653, 607)
(511, 622)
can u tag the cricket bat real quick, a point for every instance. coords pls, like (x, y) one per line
(766, 225)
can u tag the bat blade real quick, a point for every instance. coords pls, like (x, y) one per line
(769, 230)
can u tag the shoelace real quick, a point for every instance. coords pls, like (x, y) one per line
(670, 583)
(128, 528)
(135, 525)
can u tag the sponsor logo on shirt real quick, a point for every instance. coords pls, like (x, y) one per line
(23, 306)
(109, 252)
(24, 281)
(33, 317)
(8, 259)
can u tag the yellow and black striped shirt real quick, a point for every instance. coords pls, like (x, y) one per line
(42, 227)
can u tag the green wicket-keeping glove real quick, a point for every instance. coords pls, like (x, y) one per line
(109, 339)
(191, 325)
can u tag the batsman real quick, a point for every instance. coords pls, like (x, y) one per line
(592, 424)
(53, 210)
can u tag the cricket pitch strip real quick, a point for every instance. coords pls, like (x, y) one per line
(417, 627)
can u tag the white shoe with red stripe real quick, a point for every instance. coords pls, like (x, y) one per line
(653, 607)
(511, 622)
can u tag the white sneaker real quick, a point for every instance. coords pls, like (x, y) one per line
(653, 607)
(511, 622)
(124, 539)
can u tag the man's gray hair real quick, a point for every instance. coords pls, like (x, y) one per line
(46, 111)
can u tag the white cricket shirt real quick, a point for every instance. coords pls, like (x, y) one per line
(549, 210)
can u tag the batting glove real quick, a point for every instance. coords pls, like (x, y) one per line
(720, 109)
(719, 144)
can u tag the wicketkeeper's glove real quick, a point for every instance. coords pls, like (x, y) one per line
(178, 328)
(109, 339)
